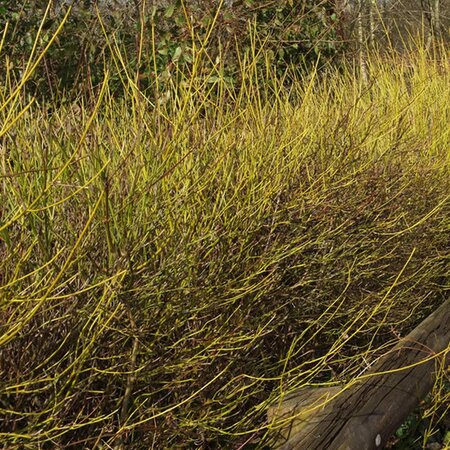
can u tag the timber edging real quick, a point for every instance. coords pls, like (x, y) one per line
(364, 414)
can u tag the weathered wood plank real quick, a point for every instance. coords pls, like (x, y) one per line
(365, 414)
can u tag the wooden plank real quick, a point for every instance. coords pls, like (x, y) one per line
(366, 413)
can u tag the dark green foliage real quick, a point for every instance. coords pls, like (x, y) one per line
(160, 37)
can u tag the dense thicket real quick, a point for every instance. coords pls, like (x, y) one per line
(156, 36)
(195, 236)
(169, 270)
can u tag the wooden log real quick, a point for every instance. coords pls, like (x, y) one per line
(366, 413)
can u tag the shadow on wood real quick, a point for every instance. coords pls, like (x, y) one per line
(364, 414)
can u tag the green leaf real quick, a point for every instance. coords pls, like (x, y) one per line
(169, 11)
(187, 57)
(213, 79)
(180, 20)
(447, 438)
(177, 54)
(4, 236)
